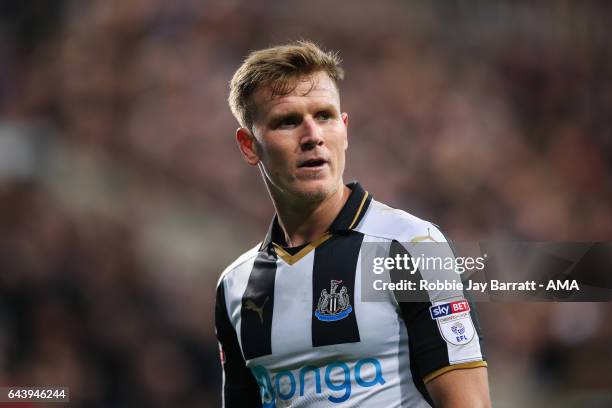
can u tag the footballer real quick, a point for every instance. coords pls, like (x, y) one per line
(292, 326)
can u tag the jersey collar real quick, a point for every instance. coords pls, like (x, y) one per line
(348, 218)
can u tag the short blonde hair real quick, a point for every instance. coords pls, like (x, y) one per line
(278, 67)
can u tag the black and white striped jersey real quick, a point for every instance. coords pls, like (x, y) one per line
(294, 330)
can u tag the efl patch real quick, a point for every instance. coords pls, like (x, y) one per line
(454, 321)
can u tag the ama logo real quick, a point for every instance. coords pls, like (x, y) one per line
(336, 380)
(454, 321)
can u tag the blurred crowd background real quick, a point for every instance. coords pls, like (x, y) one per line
(123, 195)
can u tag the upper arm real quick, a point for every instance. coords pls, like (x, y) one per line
(461, 388)
(444, 336)
(239, 386)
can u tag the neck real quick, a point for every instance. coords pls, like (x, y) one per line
(306, 222)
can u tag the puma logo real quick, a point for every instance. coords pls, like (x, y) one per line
(421, 238)
(250, 305)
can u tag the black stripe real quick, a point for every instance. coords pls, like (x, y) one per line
(336, 260)
(256, 332)
(428, 350)
(240, 388)
(417, 379)
(398, 275)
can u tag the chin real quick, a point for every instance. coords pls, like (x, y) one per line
(316, 191)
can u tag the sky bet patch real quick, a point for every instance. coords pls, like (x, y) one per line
(454, 321)
(446, 309)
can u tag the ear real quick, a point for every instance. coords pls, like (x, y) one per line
(246, 144)
(345, 121)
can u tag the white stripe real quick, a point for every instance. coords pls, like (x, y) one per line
(235, 284)
(379, 337)
(291, 321)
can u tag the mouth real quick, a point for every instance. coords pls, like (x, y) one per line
(313, 163)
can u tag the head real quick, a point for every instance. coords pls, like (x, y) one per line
(287, 102)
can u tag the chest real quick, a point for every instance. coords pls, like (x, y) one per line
(294, 314)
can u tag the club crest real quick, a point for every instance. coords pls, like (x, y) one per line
(333, 305)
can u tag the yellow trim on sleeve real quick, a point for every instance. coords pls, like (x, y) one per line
(443, 370)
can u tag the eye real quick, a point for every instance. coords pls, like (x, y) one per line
(324, 115)
(287, 122)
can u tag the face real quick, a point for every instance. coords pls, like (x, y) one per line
(299, 140)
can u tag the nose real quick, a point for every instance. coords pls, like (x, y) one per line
(312, 134)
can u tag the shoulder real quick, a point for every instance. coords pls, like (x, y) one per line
(242, 262)
(386, 222)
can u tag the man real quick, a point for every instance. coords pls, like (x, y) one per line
(292, 325)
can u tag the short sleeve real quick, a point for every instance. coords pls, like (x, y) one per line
(432, 351)
(443, 329)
